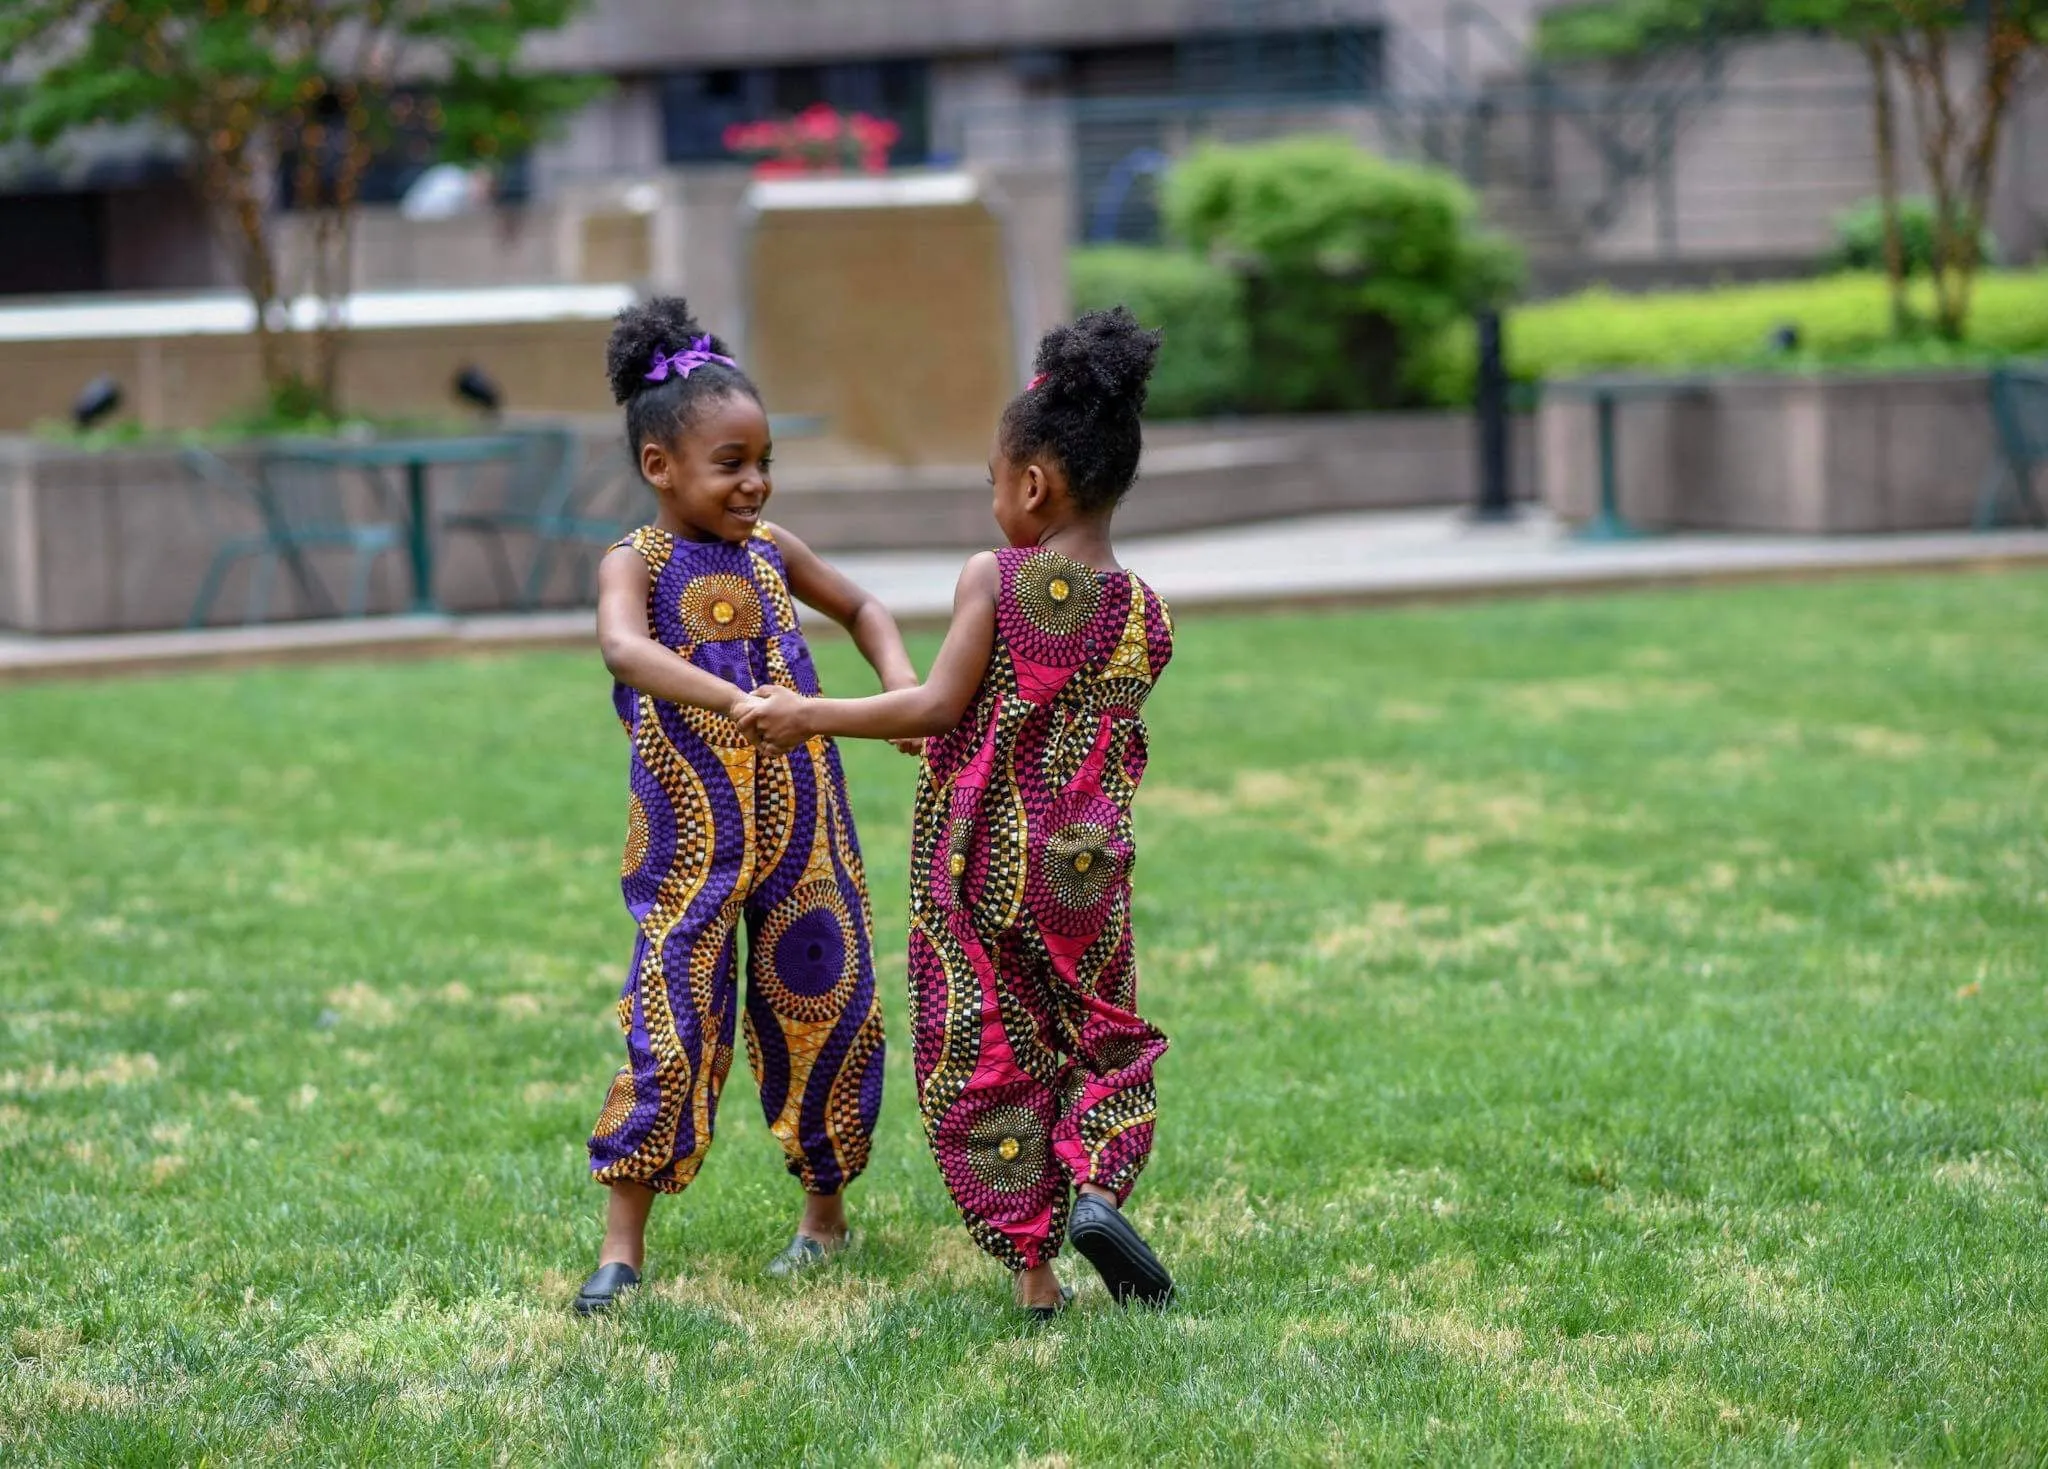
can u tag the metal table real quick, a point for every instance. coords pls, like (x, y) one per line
(418, 458)
(1605, 393)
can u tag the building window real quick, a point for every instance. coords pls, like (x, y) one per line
(1134, 106)
(1336, 61)
(698, 106)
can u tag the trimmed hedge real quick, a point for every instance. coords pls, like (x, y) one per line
(1207, 351)
(1843, 321)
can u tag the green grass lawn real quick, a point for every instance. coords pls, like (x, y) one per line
(1605, 1029)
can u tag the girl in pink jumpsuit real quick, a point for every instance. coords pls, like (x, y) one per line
(1034, 1069)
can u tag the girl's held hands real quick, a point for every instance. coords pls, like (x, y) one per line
(774, 717)
(777, 719)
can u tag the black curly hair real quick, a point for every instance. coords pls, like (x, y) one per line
(659, 411)
(1083, 406)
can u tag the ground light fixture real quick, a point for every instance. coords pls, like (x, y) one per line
(475, 387)
(99, 399)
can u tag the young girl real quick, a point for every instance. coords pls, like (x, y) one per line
(694, 613)
(1034, 1073)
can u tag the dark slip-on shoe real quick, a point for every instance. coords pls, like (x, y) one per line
(1046, 1313)
(601, 1291)
(1126, 1264)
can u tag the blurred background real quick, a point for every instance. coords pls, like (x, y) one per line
(1769, 266)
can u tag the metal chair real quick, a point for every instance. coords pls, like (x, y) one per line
(298, 507)
(546, 497)
(2019, 416)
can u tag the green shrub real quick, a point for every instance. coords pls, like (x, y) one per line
(1843, 321)
(1859, 237)
(1201, 308)
(1353, 265)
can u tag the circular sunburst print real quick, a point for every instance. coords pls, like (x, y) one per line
(1006, 1148)
(1059, 595)
(719, 608)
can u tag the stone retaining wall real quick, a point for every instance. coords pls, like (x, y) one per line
(1816, 455)
(119, 541)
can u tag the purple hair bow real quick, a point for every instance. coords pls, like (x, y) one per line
(683, 363)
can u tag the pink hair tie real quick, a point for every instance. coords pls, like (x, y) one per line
(1035, 383)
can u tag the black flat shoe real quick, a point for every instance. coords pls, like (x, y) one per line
(1046, 1313)
(601, 1291)
(1123, 1260)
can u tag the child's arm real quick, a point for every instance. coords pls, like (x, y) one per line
(632, 654)
(784, 719)
(823, 586)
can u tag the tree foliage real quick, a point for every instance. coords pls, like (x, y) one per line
(309, 89)
(1961, 62)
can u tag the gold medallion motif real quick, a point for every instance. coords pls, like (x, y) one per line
(1079, 864)
(1007, 1149)
(1057, 594)
(719, 607)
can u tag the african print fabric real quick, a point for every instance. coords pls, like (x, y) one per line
(1034, 1072)
(719, 833)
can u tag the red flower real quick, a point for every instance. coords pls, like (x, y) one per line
(816, 140)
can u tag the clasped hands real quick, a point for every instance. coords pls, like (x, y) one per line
(774, 718)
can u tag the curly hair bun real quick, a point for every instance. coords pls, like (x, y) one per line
(662, 325)
(1103, 359)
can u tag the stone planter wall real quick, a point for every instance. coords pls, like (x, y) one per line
(1816, 455)
(118, 541)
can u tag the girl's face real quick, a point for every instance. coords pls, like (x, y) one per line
(713, 479)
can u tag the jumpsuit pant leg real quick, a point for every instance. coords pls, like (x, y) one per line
(1034, 1073)
(677, 1013)
(693, 819)
(813, 1019)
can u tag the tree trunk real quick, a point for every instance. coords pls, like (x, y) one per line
(232, 185)
(2006, 44)
(1935, 116)
(1888, 186)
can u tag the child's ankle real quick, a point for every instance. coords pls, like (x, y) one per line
(824, 1218)
(1097, 1191)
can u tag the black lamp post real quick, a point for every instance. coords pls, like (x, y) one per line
(1496, 493)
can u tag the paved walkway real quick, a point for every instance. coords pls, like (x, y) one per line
(1415, 555)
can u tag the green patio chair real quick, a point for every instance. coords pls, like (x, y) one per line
(2019, 417)
(550, 496)
(298, 507)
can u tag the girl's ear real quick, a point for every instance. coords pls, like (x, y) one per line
(1037, 488)
(654, 465)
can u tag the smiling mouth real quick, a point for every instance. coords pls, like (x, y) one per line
(744, 512)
